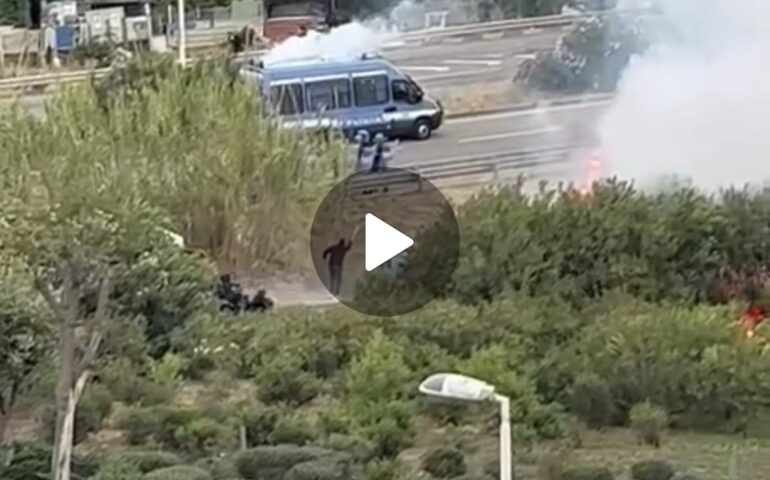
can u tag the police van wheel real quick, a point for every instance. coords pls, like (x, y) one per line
(422, 129)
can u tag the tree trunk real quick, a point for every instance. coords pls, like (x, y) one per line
(67, 339)
(73, 373)
(65, 440)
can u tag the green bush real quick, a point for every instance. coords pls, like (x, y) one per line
(292, 429)
(652, 470)
(388, 436)
(382, 470)
(220, 467)
(33, 460)
(260, 423)
(588, 473)
(444, 463)
(649, 421)
(118, 471)
(139, 423)
(325, 469)
(272, 462)
(145, 460)
(204, 435)
(283, 379)
(129, 386)
(591, 401)
(179, 472)
(357, 447)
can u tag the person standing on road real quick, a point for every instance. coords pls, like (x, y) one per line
(378, 159)
(335, 258)
(362, 138)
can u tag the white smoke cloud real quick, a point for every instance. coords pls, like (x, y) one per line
(699, 105)
(345, 41)
(350, 40)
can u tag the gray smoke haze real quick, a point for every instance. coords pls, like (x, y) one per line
(698, 106)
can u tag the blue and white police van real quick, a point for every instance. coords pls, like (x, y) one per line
(366, 94)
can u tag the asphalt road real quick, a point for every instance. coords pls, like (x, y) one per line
(505, 131)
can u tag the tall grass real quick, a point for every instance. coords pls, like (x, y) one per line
(193, 143)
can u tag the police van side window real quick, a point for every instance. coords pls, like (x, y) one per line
(287, 99)
(371, 90)
(328, 94)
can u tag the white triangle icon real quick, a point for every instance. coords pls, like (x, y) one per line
(383, 242)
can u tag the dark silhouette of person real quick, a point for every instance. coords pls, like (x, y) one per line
(259, 303)
(336, 256)
(230, 294)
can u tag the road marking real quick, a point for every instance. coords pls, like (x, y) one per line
(525, 56)
(423, 69)
(444, 76)
(493, 55)
(527, 112)
(518, 133)
(488, 63)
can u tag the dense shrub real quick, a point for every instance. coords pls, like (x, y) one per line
(33, 460)
(118, 471)
(179, 472)
(382, 470)
(389, 429)
(588, 473)
(139, 423)
(178, 429)
(272, 462)
(652, 470)
(260, 423)
(358, 448)
(325, 469)
(293, 429)
(649, 421)
(686, 360)
(204, 435)
(145, 460)
(220, 467)
(664, 246)
(591, 401)
(444, 463)
(283, 379)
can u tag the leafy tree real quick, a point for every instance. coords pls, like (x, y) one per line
(25, 339)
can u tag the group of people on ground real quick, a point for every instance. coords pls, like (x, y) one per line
(233, 299)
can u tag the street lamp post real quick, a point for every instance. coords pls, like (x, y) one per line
(182, 40)
(460, 387)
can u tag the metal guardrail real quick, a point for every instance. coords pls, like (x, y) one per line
(401, 180)
(199, 39)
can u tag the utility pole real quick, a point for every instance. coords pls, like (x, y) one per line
(181, 39)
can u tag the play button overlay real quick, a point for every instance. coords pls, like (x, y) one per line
(385, 243)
